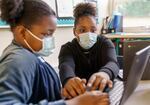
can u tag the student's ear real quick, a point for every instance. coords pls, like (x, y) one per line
(20, 31)
(74, 32)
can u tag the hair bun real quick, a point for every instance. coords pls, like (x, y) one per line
(83, 9)
(11, 10)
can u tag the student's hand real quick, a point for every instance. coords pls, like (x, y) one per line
(74, 87)
(90, 98)
(99, 81)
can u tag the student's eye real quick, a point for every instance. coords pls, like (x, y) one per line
(93, 30)
(47, 34)
(82, 30)
(43, 34)
(50, 32)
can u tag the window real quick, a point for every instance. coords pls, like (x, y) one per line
(136, 13)
(135, 8)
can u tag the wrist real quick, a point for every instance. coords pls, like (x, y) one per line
(71, 102)
(106, 75)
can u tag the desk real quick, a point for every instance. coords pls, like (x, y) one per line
(128, 35)
(141, 95)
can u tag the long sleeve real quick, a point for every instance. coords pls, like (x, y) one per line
(109, 61)
(76, 61)
(66, 64)
(16, 81)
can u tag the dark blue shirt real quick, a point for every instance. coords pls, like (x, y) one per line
(26, 78)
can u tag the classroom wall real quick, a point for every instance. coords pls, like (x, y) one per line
(62, 35)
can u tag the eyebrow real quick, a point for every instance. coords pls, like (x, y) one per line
(85, 26)
(47, 31)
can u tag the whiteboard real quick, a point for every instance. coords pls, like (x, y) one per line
(75, 2)
(51, 3)
(65, 8)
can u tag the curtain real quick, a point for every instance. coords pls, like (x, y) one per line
(112, 6)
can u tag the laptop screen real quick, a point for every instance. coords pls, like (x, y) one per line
(129, 50)
(146, 74)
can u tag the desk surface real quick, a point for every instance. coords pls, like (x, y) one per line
(141, 95)
(128, 35)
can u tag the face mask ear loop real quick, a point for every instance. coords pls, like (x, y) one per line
(34, 35)
(28, 45)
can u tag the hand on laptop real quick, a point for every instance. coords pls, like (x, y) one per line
(74, 87)
(90, 98)
(99, 81)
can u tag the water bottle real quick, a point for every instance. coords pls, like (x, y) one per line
(118, 22)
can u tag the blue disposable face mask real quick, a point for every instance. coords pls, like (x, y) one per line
(48, 45)
(87, 40)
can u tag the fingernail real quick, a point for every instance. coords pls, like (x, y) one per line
(111, 86)
(89, 85)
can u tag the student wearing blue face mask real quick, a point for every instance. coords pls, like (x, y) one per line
(89, 61)
(25, 77)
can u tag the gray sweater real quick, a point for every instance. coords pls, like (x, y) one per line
(26, 78)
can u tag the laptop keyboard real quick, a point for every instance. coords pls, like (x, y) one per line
(116, 93)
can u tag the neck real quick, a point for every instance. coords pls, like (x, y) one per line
(20, 41)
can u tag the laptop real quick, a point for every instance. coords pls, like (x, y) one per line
(141, 94)
(122, 90)
(146, 74)
(129, 49)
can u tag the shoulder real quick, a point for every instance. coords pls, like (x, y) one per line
(17, 71)
(105, 41)
(17, 59)
(69, 48)
(70, 45)
(102, 38)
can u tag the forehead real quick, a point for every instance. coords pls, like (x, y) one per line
(45, 22)
(86, 21)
